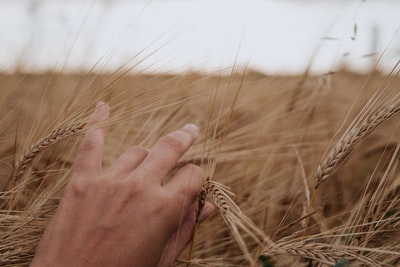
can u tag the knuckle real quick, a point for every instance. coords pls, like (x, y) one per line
(137, 187)
(90, 142)
(109, 186)
(76, 188)
(137, 150)
(173, 142)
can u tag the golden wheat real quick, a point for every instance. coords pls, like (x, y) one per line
(55, 136)
(346, 144)
(248, 146)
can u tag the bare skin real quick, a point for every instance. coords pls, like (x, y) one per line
(124, 215)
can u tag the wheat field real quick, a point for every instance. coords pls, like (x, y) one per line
(303, 169)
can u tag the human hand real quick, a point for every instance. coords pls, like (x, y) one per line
(125, 215)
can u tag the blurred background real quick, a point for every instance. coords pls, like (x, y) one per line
(273, 37)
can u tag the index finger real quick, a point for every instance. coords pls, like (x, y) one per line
(90, 155)
(166, 153)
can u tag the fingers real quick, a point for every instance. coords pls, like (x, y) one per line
(90, 155)
(128, 161)
(183, 235)
(166, 153)
(187, 182)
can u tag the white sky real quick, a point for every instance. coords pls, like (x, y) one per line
(171, 36)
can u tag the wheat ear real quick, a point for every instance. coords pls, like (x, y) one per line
(26, 159)
(235, 218)
(346, 144)
(321, 252)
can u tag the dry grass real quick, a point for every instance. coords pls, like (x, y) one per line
(271, 140)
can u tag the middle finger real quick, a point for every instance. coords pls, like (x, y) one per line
(166, 153)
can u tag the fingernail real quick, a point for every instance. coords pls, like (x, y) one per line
(192, 128)
(206, 212)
